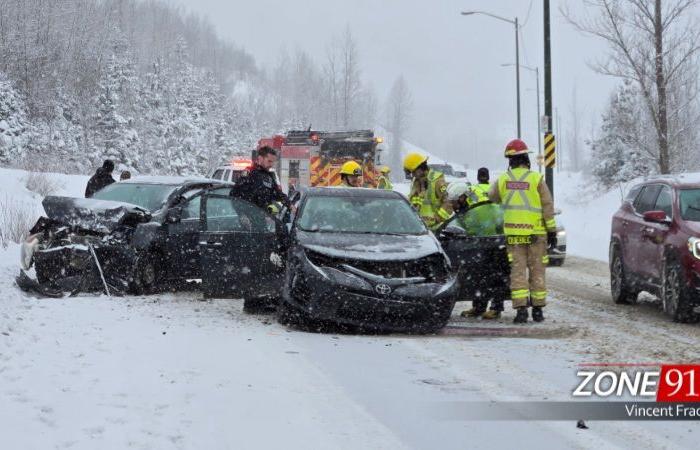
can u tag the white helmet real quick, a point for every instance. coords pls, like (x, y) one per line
(456, 190)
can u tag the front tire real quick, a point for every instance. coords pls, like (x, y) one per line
(622, 292)
(146, 278)
(674, 294)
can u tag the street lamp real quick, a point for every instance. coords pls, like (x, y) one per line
(517, 55)
(539, 122)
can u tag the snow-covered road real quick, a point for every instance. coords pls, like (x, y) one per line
(172, 371)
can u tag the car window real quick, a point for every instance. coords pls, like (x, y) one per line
(359, 215)
(632, 194)
(232, 214)
(217, 174)
(191, 209)
(647, 199)
(148, 196)
(689, 201)
(664, 201)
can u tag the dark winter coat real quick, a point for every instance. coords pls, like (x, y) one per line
(259, 188)
(101, 179)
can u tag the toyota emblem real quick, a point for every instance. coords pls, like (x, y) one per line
(383, 289)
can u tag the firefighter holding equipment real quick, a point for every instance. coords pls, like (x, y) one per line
(428, 191)
(351, 174)
(478, 216)
(529, 227)
(384, 181)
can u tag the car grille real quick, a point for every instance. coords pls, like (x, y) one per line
(432, 268)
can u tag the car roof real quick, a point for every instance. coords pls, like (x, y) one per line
(682, 180)
(350, 192)
(172, 181)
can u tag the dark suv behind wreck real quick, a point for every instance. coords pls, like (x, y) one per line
(131, 236)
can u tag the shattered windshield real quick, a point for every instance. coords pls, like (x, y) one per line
(690, 204)
(359, 215)
(148, 196)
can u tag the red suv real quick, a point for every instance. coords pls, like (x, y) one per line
(655, 245)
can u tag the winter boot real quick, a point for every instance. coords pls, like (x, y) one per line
(537, 314)
(521, 316)
(491, 315)
(473, 312)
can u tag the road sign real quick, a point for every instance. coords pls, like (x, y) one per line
(550, 145)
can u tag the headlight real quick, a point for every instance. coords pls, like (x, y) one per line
(694, 246)
(561, 233)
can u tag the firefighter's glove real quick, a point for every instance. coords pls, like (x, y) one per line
(552, 239)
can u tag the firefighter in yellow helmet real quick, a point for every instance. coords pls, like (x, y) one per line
(428, 191)
(384, 181)
(529, 226)
(351, 174)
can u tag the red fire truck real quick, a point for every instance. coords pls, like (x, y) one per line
(314, 158)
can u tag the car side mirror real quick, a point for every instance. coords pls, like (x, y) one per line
(453, 232)
(173, 215)
(656, 217)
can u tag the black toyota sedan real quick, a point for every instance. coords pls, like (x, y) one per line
(133, 235)
(363, 257)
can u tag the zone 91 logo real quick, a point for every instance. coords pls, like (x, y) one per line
(670, 383)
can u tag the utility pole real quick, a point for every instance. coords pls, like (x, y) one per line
(517, 74)
(548, 172)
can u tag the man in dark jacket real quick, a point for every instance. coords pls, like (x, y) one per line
(102, 178)
(260, 187)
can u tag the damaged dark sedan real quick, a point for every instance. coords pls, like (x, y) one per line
(363, 257)
(130, 236)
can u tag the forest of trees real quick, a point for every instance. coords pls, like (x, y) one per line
(650, 123)
(154, 88)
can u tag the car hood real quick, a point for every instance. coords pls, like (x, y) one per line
(101, 216)
(373, 247)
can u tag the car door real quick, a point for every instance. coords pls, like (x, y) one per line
(482, 261)
(242, 249)
(636, 245)
(653, 238)
(182, 241)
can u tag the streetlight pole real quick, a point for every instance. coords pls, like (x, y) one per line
(517, 57)
(539, 122)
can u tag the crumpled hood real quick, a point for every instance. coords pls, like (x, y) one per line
(372, 247)
(101, 216)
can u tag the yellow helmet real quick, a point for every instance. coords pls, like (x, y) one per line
(351, 168)
(385, 169)
(413, 160)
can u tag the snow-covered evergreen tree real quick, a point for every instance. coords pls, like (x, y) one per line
(115, 135)
(621, 152)
(13, 122)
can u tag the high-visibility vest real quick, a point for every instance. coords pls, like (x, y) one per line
(384, 183)
(484, 187)
(431, 210)
(476, 195)
(522, 206)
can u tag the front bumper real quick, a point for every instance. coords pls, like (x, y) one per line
(74, 267)
(330, 294)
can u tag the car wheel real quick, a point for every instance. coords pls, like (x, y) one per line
(674, 294)
(622, 293)
(146, 276)
(556, 262)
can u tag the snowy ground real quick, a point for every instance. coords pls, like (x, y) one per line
(174, 371)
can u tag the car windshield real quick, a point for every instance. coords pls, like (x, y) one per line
(690, 204)
(148, 196)
(359, 215)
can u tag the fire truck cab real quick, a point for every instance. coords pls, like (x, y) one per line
(314, 158)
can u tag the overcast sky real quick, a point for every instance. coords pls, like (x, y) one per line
(464, 99)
